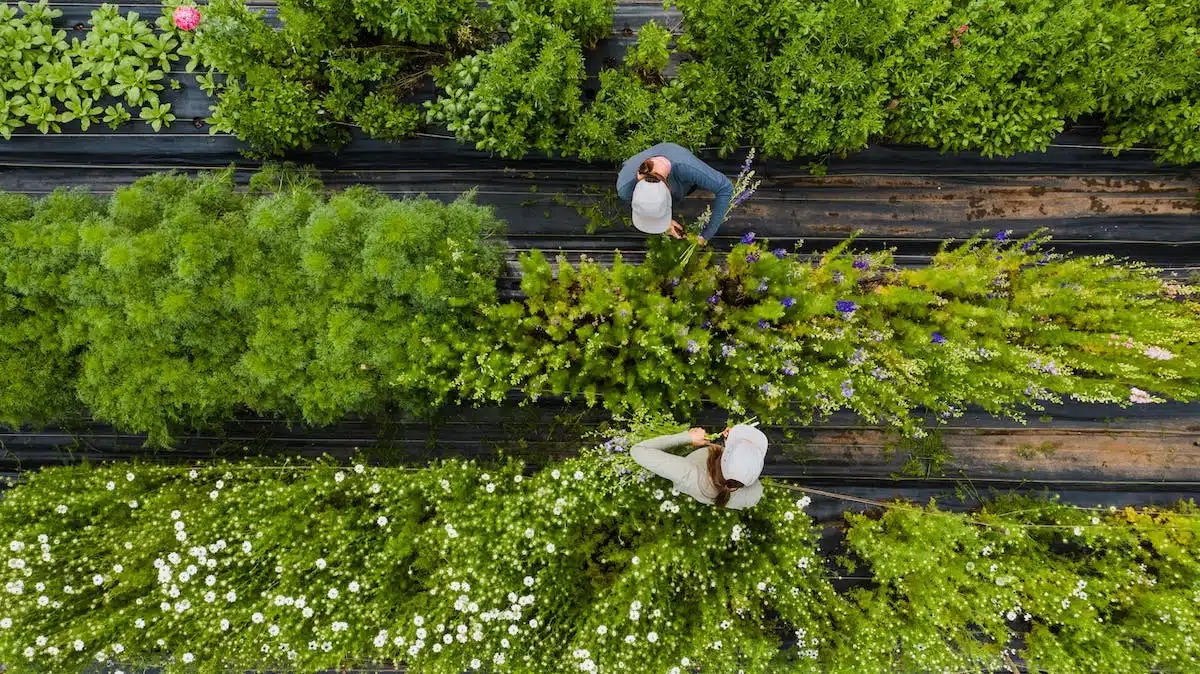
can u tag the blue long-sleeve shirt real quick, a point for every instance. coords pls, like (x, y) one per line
(687, 172)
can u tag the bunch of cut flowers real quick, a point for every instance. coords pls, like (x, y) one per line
(743, 188)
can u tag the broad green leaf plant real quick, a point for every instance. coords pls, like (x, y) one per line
(586, 565)
(47, 80)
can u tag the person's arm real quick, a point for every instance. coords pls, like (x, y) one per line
(626, 181)
(746, 497)
(720, 204)
(706, 177)
(650, 454)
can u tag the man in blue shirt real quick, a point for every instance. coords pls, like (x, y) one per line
(652, 179)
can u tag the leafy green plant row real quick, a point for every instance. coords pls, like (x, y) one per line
(333, 65)
(807, 78)
(180, 300)
(586, 565)
(46, 81)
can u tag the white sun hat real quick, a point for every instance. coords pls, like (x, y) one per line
(745, 449)
(652, 207)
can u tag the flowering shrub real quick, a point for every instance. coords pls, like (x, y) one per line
(180, 299)
(1000, 324)
(585, 565)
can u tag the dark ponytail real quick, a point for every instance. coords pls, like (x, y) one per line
(646, 171)
(724, 487)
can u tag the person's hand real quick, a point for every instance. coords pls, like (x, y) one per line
(699, 437)
(701, 240)
(675, 231)
(725, 433)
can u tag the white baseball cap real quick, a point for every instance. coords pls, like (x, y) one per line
(745, 449)
(652, 207)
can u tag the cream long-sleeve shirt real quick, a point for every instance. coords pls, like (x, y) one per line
(689, 473)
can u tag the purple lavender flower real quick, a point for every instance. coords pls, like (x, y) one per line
(999, 257)
(624, 471)
(1002, 235)
(937, 338)
(692, 346)
(741, 197)
(746, 165)
(673, 282)
(1029, 390)
(714, 298)
(727, 350)
(991, 296)
(779, 253)
(762, 286)
(846, 306)
(752, 257)
(1045, 260)
(1027, 245)
(748, 237)
(879, 373)
(788, 368)
(706, 325)
(858, 357)
(762, 324)
(838, 277)
(765, 389)
(847, 389)
(862, 262)
(787, 302)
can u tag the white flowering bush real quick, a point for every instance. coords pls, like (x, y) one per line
(587, 565)
(450, 568)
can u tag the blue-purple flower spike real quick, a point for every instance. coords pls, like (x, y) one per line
(748, 237)
(938, 338)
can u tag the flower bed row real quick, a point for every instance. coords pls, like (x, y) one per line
(584, 566)
(181, 300)
(791, 78)
(46, 82)
(955, 75)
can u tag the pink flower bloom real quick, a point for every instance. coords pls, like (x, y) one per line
(1158, 353)
(1137, 395)
(186, 17)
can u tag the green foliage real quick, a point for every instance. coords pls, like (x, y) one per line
(585, 565)
(520, 96)
(1112, 591)
(46, 82)
(651, 53)
(417, 21)
(1155, 105)
(587, 20)
(184, 299)
(629, 114)
(331, 65)
(813, 78)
